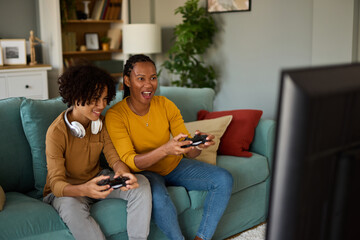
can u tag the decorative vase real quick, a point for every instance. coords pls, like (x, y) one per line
(86, 8)
(105, 46)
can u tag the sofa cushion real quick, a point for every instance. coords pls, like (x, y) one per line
(41, 219)
(15, 157)
(111, 215)
(36, 116)
(118, 98)
(179, 197)
(246, 172)
(240, 133)
(190, 100)
(216, 127)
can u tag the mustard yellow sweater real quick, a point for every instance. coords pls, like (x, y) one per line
(131, 136)
(72, 160)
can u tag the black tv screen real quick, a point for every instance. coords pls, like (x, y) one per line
(315, 185)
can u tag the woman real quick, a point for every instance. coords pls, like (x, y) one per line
(140, 127)
(74, 142)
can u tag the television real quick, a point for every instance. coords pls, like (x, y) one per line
(315, 184)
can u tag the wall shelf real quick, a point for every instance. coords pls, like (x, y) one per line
(92, 52)
(90, 21)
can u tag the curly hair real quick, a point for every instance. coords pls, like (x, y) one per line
(84, 82)
(130, 63)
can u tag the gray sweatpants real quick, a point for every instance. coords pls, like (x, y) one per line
(75, 212)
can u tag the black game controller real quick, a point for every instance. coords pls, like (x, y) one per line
(114, 183)
(196, 140)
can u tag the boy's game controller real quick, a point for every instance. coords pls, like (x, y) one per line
(114, 183)
(196, 140)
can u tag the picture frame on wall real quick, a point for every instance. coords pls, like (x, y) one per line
(92, 41)
(222, 6)
(13, 51)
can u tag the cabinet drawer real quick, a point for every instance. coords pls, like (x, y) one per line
(25, 85)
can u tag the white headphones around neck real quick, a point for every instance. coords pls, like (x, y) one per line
(78, 130)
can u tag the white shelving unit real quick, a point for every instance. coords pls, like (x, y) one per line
(50, 33)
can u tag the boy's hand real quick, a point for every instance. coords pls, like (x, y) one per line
(131, 183)
(93, 190)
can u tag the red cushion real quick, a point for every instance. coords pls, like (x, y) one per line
(240, 132)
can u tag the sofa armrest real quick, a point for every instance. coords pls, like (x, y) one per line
(264, 139)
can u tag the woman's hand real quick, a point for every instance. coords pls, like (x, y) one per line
(209, 140)
(194, 152)
(173, 146)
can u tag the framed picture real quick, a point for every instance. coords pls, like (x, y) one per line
(1, 57)
(220, 6)
(92, 41)
(13, 51)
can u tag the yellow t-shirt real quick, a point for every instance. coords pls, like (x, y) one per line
(72, 160)
(131, 136)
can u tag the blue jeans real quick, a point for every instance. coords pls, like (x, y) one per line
(193, 175)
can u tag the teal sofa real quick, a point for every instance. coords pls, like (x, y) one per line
(23, 126)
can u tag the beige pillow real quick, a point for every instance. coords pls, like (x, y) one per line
(2, 198)
(216, 127)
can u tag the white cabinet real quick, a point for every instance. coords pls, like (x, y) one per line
(24, 81)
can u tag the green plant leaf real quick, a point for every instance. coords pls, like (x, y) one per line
(192, 38)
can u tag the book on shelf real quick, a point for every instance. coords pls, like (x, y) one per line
(97, 9)
(65, 62)
(104, 9)
(68, 41)
(117, 14)
(109, 11)
(68, 62)
(114, 10)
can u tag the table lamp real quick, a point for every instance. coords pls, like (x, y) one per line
(141, 38)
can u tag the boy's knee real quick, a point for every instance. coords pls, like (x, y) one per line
(72, 209)
(142, 180)
(144, 186)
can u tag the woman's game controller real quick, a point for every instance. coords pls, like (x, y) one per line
(196, 140)
(114, 183)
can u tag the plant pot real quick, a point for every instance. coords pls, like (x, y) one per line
(105, 46)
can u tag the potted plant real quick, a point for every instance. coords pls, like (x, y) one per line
(105, 43)
(192, 38)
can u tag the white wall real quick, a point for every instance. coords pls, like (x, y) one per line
(140, 11)
(333, 28)
(17, 18)
(254, 46)
(251, 48)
